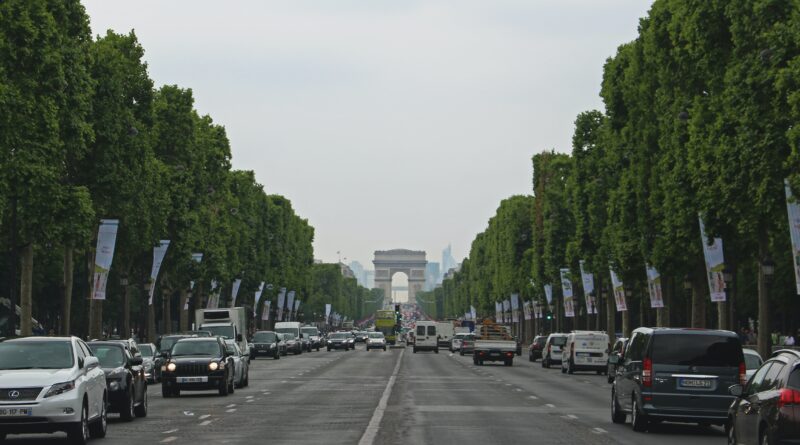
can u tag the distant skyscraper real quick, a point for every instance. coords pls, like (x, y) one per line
(370, 279)
(432, 276)
(448, 262)
(359, 272)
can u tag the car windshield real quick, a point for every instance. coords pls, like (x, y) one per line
(558, 341)
(310, 331)
(108, 355)
(220, 331)
(207, 348)
(697, 350)
(264, 337)
(375, 335)
(36, 355)
(168, 342)
(288, 336)
(339, 335)
(752, 361)
(146, 350)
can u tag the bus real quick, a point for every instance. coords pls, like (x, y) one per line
(386, 323)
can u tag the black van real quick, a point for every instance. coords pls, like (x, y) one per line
(679, 375)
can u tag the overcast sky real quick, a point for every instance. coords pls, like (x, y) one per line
(388, 123)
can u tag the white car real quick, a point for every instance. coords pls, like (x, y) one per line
(241, 362)
(752, 361)
(50, 384)
(552, 349)
(376, 340)
(585, 351)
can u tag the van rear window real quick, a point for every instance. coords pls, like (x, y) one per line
(558, 341)
(696, 350)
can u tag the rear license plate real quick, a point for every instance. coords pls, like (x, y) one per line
(15, 412)
(202, 379)
(582, 354)
(694, 383)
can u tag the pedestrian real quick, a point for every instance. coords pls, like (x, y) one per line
(789, 340)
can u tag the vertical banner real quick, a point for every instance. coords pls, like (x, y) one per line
(472, 312)
(506, 309)
(569, 308)
(526, 310)
(158, 256)
(715, 264)
(197, 257)
(654, 287)
(104, 255)
(289, 304)
(188, 296)
(281, 302)
(588, 289)
(566, 289)
(327, 311)
(548, 293)
(258, 297)
(619, 291)
(296, 306)
(211, 303)
(538, 310)
(793, 207)
(265, 313)
(235, 291)
(515, 308)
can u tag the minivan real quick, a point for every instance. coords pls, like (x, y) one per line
(679, 375)
(426, 337)
(552, 349)
(585, 351)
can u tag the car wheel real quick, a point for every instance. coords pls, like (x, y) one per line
(415, 349)
(99, 428)
(475, 361)
(223, 387)
(176, 391)
(317, 348)
(384, 349)
(329, 349)
(508, 363)
(126, 412)
(461, 352)
(436, 351)
(165, 391)
(141, 410)
(563, 370)
(276, 355)
(610, 378)
(638, 419)
(530, 358)
(247, 378)
(617, 415)
(231, 387)
(79, 432)
(731, 433)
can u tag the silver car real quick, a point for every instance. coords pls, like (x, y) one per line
(241, 362)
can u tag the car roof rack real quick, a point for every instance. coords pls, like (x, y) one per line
(794, 352)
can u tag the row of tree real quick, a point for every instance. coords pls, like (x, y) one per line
(85, 135)
(700, 120)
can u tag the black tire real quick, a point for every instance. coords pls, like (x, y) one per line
(617, 415)
(610, 379)
(638, 419)
(765, 438)
(176, 391)
(232, 385)
(509, 362)
(599, 372)
(78, 433)
(384, 349)
(530, 358)
(436, 351)
(544, 363)
(563, 370)
(317, 348)
(99, 428)
(247, 378)
(329, 349)
(475, 361)
(141, 409)
(461, 352)
(415, 349)
(126, 412)
(165, 391)
(223, 387)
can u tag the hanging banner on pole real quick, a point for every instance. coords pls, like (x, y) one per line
(235, 291)
(569, 308)
(793, 208)
(548, 293)
(654, 287)
(515, 308)
(296, 306)
(281, 302)
(258, 297)
(715, 264)
(289, 304)
(566, 290)
(265, 311)
(104, 255)
(472, 312)
(619, 291)
(327, 310)
(526, 310)
(506, 310)
(588, 289)
(211, 294)
(497, 311)
(158, 256)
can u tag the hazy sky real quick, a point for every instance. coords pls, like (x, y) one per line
(388, 123)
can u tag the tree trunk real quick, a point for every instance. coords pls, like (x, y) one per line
(611, 314)
(763, 301)
(126, 310)
(167, 310)
(97, 319)
(26, 290)
(722, 315)
(626, 324)
(184, 311)
(66, 309)
(699, 295)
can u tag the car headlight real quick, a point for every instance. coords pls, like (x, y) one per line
(113, 385)
(213, 366)
(60, 388)
(171, 367)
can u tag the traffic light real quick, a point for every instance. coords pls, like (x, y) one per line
(397, 315)
(549, 317)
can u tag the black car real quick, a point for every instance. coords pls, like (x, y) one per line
(165, 342)
(767, 409)
(127, 386)
(265, 343)
(536, 347)
(340, 340)
(618, 351)
(152, 362)
(198, 364)
(313, 335)
(679, 375)
(293, 344)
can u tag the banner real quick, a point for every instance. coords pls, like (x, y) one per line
(265, 312)
(213, 295)
(569, 308)
(281, 302)
(566, 283)
(515, 308)
(472, 312)
(526, 310)
(327, 310)
(498, 312)
(289, 304)
(197, 257)
(158, 256)
(258, 297)
(619, 291)
(104, 255)
(793, 208)
(506, 310)
(588, 289)
(548, 293)
(235, 291)
(654, 287)
(715, 264)
(188, 296)
(296, 305)
(538, 310)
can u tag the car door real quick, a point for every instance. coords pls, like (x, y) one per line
(629, 375)
(137, 376)
(92, 382)
(746, 417)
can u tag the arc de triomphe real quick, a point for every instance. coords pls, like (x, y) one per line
(410, 262)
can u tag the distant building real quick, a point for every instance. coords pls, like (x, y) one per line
(448, 262)
(346, 271)
(433, 276)
(369, 279)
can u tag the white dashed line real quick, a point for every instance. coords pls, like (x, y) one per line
(205, 422)
(550, 405)
(231, 405)
(249, 400)
(533, 397)
(570, 416)
(232, 410)
(169, 439)
(250, 397)
(204, 416)
(517, 390)
(599, 430)
(170, 431)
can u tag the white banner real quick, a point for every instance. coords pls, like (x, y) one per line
(327, 310)
(526, 310)
(197, 257)
(506, 309)
(158, 256)
(715, 264)
(281, 302)
(566, 283)
(793, 208)
(619, 291)
(104, 256)
(265, 312)
(498, 312)
(472, 312)
(515, 307)
(569, 308)
(548, 293)
(235, 291)
(296, 305)
(289, 304)
(654, 287)
(258, 298)
(213, 295)
(538, 310)
(588, 289)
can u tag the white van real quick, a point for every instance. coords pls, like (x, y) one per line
(445, 331)
(552, 349)
(426, 337)
(293, 327)
(585, 351)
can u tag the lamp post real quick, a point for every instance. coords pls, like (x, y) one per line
(766, 271)
(626, 318)
(722, 309)
(126, 308)
(151, 314)
(687, 292)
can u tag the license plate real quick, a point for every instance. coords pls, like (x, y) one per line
(203, 379)
(695, 383)
(582, 354)
(15, 412)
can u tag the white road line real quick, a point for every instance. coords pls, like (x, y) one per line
(375, 422)
(550, 405)
(205, 416)
(570, 416)
(231, 405)
(249, 400)
(599, 430)
(205, 422)
(517, 390)
(170, 431)
(250, 397)
(232, 410)
(169, 439)
(533, 397)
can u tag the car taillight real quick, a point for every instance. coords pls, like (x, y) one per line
(647, 372)
(742, 373)
(788, 397)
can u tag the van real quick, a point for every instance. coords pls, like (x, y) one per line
(552, 349)
(292, 327)
(426, 337)
(677, 375)
(446, 331)
(585, 351)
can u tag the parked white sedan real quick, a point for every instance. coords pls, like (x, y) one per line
(50, 384)
(241, 362)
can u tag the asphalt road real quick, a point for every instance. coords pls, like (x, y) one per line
(392, 397)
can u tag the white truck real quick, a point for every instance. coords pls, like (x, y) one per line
(446, 332)
(493, 344)
(229, 323)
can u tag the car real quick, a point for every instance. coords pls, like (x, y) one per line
(360, 336)
(50, 384)
(585, 351)
(455, 342)
(552, 349)
(241, 364)
(125, 379)
(376, 340)
(426, 338)
(351, 339)
(536, 347)
(467, 344)
(197, 364)
(197, 333)
(266, 343)
(677, 375)
(282, 344)
(339, 340)
(617, 350)
(767, 409)
(151, 361)
(752, 361)
(313, 336)
(165, 342)
(293, 344)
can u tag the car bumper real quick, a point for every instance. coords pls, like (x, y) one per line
(117, 399)
(47, 416)
(338, 345)
(213, 382)
(266, 351)
(690, 412)
(426, 347)
(376, 346)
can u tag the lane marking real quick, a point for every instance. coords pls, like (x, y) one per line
(250, 397)
(170, 431)
(232, 410)
(231, 405)
(517, 390)
(169, 439)
(375, 422)
(204, 416)
(249, 400)
(205, 422)
(569, 416)
(533, 397)
(598, 430)
(550, 405)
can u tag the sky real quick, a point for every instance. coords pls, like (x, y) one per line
(387, 123)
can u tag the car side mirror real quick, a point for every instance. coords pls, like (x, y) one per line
(239, 337)
(90, 363)
(736, 390)
(136, 360)
(613, 359)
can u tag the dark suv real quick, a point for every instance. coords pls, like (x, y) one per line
(197, 364)
(679, 375)
(127, 387)
(767, 409)
(536, 347)
(266, 343)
